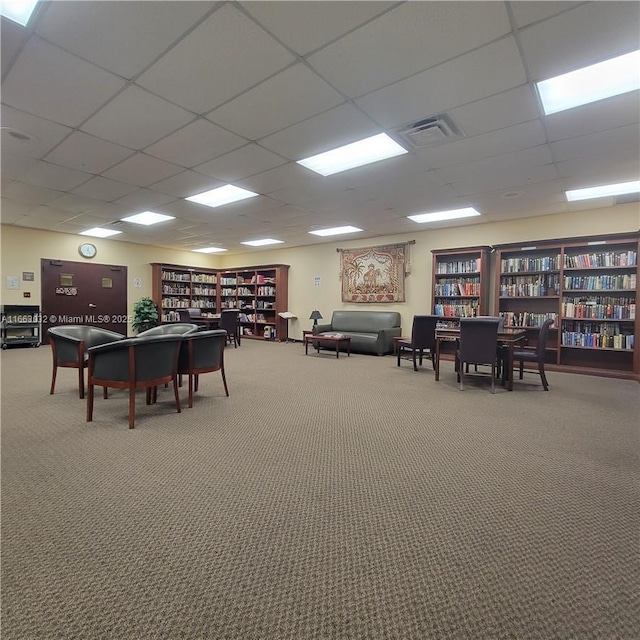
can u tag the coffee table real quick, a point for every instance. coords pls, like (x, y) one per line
(336, 339)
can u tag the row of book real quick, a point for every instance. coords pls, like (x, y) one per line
(175, 303)
(204, 291)
(463, 310)
(203, 303)
(608, 259)
(176, 291)
(176, 276)
(252, 317)
(527, 319)
(459, 266)
(599, 311)
(597, 340)
(601, 282)
(457, 288)
(204, 278)
(543, 263)
(529, 286)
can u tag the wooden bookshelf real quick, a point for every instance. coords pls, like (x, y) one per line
(178, 287)
(588, 286)
(460, 282)
(260, 293)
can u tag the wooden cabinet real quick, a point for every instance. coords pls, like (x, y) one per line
(20, 325)
(460, 282)
(178, 287)
(588, 286)
(260, 294)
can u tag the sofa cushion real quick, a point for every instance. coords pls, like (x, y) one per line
(364, 321)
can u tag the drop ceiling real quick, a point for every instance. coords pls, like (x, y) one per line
(132, 106)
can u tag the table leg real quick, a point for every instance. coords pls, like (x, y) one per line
(510, 365)
(437, 359)
(337, 348)
(306, 346)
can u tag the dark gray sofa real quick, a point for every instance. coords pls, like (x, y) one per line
(370, 331)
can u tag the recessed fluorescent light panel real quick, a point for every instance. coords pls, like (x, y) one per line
(148, 217)
(19, 11)
(262, 243)
(336, 231)
(209, 250)
(222, 195)
(353, 155)
(444, 215)
(604, 191)
(597, 82)
(98, 232)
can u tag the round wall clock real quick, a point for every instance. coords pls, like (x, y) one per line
(87, 250)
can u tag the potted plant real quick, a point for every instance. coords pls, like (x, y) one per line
(145, 315)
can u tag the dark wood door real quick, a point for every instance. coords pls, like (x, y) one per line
(84, 293)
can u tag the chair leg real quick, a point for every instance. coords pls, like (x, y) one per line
(421, 356)
(132, 405)
(415, 366)
(399, 351)
(53, 378)
(81, 382)
(543, 377)
(521, 369)
(224, 380)
(176, 394)
(195, 382)
(190, 390)
(493, 377)
(90, 403)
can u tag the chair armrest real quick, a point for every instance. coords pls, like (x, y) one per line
(320, 328)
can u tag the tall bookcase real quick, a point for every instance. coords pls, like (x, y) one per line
(460, 282)
(177, 287)
(588, 286)
(260, 294)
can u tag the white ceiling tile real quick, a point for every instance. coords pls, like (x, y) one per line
(411, 38)
(291, 96)
(590, 33)
(12, 37)
(618, 111)
(29, 193)
(104, 189)
(495, 112)
(53, 176)
(281, 177)
(142, 170)
(339, 126)
(12, 210)
(492, 69)
(87, 153)
(44, 133)
(243, 162)
(623, 165)
(118, 38)
(187, 75)
(49, 82)
(525, 13)
(305, 26)
(521, 136)
(75, 204)
(135, 119)
(144, 200)
(15, 166)
(185, 184)
(603, 141)
(197, 142)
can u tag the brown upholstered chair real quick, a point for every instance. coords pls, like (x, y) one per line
(478, 345)
(135, 363)
(202, 352)
(229, 321)
(423, 338)
(69, 344)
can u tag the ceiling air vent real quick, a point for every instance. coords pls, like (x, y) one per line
(430, 131)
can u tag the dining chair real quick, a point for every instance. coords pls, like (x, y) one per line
(229, 321)
(132, 364)
(202, 352)
(478, 345)
(423, 338)
(536, 354)
(69, 345)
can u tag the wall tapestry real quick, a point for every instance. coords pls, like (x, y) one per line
(374, 274)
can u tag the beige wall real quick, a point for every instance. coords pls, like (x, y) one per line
(23, 248)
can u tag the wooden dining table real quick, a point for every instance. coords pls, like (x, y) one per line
(507, 336)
